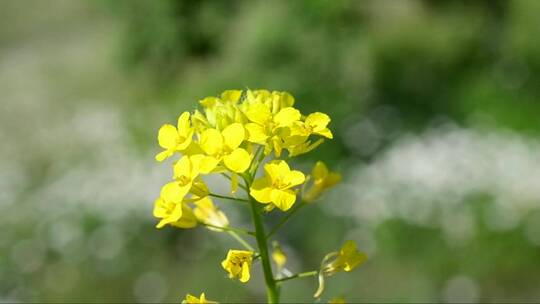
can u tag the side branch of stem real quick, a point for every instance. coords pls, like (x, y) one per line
(228, 197)
(299, 275)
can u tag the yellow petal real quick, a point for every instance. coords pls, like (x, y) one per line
(186, 143)
(261, 191)
(244, 277)
(283, 199)
(234, 135)
(160, 209)
(168, 137)
(256, 133)
(287, 100)
(325, 132)
(161, 156)
(187, 219)
(183, 168)
(273, 171)
(295, 178)
(209, 102)
(211, 141)
(173, 192)
(231, 95)
(286, 117)
(184, 126)
(237, 161)
(204, 164)
(317, 121)
(258, 113)
(174, 216)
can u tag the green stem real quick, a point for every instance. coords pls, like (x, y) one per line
(285, 219)
(228, 197)
(299, 275)
(241, 240)
(260, 235)
(228, 228)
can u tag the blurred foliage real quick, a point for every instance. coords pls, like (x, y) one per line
(426, 60)
(402, 66)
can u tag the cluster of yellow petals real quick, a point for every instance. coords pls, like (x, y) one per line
(275, 186)
(238, 264)
(225, 137)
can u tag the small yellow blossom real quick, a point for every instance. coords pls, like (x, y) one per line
(322, 179)
(171, 209)
(316, 123)
(225, 145)
(346, 259)
(190, 299)
(187, 169)
(174, 139)
(265, 128)
(207, 213)
(219, 112)
(275, 186)
(238, 264)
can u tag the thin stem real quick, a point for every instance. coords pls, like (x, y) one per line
(299, 275)
(229, 228)
(285, 219)
(271, 288)
(259, 155)
(241, 240)
(228, 197)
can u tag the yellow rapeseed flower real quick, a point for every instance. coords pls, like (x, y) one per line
(190, 299)
(187, 169)
(265, 128)
(346, 259)
(171, 208)
(321, 180)
(275, 186)
(316, 123)
(174, 139)
(219, 112)
(238, 264)
(225, 145)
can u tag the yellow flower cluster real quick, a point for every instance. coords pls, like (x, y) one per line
(227, 136)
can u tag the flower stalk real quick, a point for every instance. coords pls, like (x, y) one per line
(272, 292)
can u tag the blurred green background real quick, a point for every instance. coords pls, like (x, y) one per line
(435, 108)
